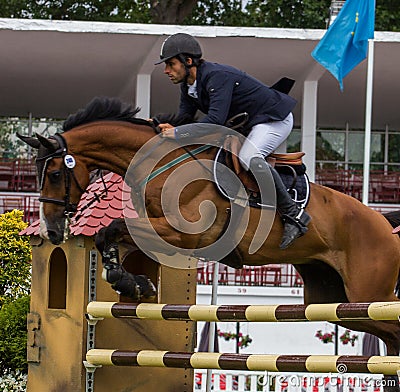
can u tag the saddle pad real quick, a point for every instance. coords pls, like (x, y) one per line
(294, 178)
(298, 185)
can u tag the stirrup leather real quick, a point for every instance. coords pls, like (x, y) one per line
(301, 220)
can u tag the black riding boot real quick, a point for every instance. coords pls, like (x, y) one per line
(295, 219)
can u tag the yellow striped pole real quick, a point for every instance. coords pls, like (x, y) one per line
(388, 365)
(257, 313)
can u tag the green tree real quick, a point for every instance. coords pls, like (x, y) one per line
(90, 10)
(288, 14)
(387, 15)
(10, 145)
(218, 13)
(304, 14)
(15, 257)
(171, 11)
(258, 13)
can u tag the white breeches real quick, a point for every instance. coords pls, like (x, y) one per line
(264, 139)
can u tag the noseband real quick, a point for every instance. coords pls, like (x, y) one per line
(69, 176)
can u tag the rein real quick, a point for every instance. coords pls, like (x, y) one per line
(188, 154)
(69, 174)
(174, 162)
(137, 187)
(70, 177)
(96, 197)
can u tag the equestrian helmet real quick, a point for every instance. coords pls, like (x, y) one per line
(177, 44)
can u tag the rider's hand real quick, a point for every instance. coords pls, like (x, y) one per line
(167, 130)
(164, 126)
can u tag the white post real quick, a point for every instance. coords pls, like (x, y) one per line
(309, 126)
(368, 118)
(214, 295)
(143, 87)
(30, 131)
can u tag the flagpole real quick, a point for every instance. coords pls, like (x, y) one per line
(368, 121)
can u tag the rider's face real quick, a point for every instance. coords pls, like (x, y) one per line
(175, 70)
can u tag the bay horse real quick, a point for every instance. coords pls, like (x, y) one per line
(349, 253)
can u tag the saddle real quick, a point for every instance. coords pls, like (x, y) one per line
(289, 166)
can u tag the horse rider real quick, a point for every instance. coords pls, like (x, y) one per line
(221, 92)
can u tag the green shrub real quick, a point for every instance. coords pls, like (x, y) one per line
(13, 334)
(15, 277)
(15, 257)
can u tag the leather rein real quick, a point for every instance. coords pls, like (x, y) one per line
(69, 175)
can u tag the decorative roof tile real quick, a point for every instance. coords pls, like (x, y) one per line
(100, 213)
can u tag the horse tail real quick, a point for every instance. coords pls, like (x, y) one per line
(393, 218)
(397, 288)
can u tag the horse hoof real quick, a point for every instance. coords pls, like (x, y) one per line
(147, 288)
(136, 287)
(111, 255)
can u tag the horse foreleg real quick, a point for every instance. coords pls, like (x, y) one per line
(132, 286)
(117, 232)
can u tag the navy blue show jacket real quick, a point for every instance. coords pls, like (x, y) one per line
(224, 91)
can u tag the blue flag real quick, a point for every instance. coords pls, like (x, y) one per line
(345, 43)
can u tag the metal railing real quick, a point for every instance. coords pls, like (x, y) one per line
(18, 175)
(277, 275)
(26, 202)
(230, 381)
(384, 186)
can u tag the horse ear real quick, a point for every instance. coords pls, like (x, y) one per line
(31, 141)
(47, 143)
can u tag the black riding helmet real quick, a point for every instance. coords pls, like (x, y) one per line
(179, 44)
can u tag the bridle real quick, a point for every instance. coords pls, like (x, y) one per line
(69, 177)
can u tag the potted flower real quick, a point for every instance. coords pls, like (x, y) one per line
(242, 340)
(326, 337)
(345, 338)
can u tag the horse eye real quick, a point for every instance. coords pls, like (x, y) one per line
(55, 176)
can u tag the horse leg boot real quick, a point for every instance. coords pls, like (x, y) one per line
(122, 281)
(295, 219)
(132, 286)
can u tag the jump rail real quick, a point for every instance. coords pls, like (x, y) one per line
(388, 365)
(261, 313)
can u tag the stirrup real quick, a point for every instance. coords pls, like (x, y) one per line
(294, 228)
(301, 220)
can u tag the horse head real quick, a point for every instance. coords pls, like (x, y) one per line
(62, 179)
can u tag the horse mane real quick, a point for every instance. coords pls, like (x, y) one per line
(104, 108)
(174, 119)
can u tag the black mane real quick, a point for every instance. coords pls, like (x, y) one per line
(104, 108)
